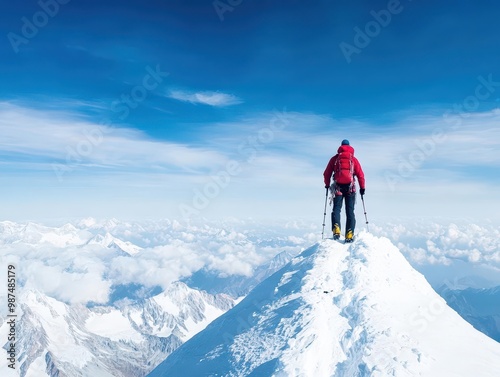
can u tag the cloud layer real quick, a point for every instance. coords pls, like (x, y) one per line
(73, 265)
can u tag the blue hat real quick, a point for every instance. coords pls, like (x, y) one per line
(345, 142)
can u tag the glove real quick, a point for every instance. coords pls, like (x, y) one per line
(362, 191)
(327, 186)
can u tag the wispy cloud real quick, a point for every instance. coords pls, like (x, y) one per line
(274, 150)
(210, 98)
(66, 139)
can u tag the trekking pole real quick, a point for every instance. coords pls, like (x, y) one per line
(324, 214)
(364, 209)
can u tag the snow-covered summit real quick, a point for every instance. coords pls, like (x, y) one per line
(339, 310)
(114, 243)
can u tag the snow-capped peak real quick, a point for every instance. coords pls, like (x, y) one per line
(112, 242)
(339, 310)
(186, 311)
(88, 222)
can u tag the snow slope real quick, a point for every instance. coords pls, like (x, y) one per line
(339, 310)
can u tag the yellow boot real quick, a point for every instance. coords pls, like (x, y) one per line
(336, 231)
(349, 236)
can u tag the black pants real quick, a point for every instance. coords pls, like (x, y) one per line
(350, 200)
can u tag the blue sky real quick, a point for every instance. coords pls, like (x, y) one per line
(141, 109)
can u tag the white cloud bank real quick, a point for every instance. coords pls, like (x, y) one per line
(433, 243)
(62, 263)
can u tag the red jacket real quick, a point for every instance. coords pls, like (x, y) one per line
(358, 172)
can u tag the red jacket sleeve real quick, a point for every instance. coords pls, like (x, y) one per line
(327, 174)
(358, 172)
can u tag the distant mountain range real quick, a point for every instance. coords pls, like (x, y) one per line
(480, 307)
(126, 339)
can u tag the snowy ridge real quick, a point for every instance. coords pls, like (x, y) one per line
(339, 310)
